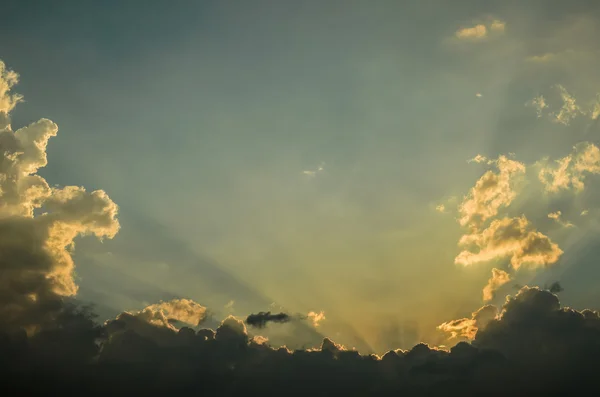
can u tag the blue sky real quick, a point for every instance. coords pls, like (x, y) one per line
(292, 154)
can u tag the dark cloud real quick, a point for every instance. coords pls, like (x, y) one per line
(555, 287)
(260, 320)
(533, 347)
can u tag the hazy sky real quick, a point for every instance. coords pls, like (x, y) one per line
(287, 154)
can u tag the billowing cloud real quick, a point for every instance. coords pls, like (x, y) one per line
(440, 208)
(570, 171)
(491, 192)
(261, 319)
(468, 327)
(534, 330)
(316, 318)
(182, 310)
(36, 267)
(498, 279)
(531, 331)
(512, 238)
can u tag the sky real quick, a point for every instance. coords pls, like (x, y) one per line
(393, 165)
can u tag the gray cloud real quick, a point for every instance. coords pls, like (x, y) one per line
(261, 319)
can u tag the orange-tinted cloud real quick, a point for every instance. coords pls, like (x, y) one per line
(498, 279)
(570, 171)
(512, 238)
(491, 192)
(468, 327)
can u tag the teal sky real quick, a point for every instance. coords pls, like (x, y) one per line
(285, 154)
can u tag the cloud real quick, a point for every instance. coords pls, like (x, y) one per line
(36, 267)
(533, 329)
(481, 31)
(512, 238)
(498, 279)
(478, 159)
(468, 327)
(491, 192)
(555, 287)
(313, 173)
(8, 100)
(440, 208)
(229, 306)
(498, 26)
(514, 350)
(261, 319)
(570, 171)
(569, 109)
(475, 32)
(316, 318)
(557, 217)
(182, 310)
(566, 108)
(539, 104)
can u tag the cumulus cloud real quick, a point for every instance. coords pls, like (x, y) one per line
(512, 238)
(467, 327)
(571, 171)
(531, 332)
(181, 310)
(440, 208)
(261, 319)
(316, 318)
(498, 279)
(533, 329)
(36, 267)
(491, 192)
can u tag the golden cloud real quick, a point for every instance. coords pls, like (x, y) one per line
(570, 171)
(468, 327)
(498, 279)
(491, 192)
(509, 237)
(316, 318)
(475, 32)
